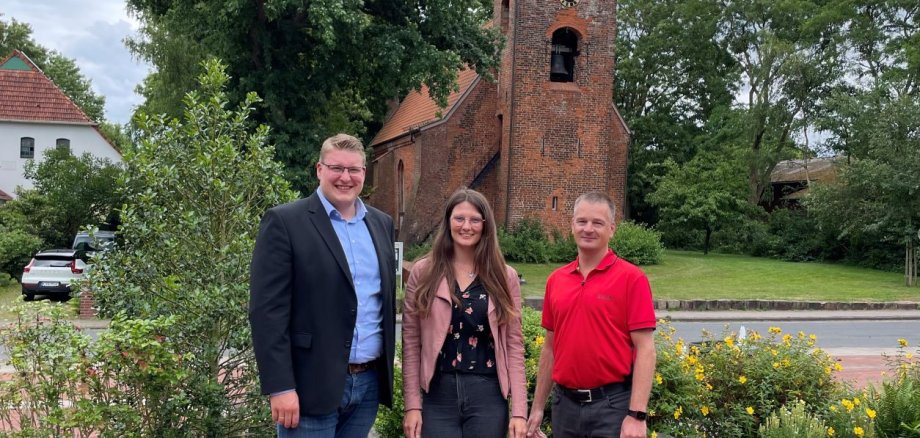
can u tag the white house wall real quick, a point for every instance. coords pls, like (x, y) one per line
(82, 139)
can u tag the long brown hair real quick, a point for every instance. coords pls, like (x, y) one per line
(490, 264)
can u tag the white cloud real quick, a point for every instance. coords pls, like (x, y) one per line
(91, 33)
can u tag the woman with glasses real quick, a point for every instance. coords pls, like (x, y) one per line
(463, 351)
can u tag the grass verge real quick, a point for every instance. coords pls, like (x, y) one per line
(685, 275)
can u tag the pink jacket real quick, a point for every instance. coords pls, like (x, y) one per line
(423, 339)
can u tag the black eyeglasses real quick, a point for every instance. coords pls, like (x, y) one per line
(338, 170)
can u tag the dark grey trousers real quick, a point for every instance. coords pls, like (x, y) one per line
(461, 405)
(600, 418)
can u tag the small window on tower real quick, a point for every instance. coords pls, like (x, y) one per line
(555, 203)
(63, 143)
(506, 15)
(562, 57)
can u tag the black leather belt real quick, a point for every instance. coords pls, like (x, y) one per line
(358, 368)
(594, 394)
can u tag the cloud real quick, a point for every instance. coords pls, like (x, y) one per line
(92, 33)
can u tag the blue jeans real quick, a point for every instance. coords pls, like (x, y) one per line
(353, 419)
(460, 405)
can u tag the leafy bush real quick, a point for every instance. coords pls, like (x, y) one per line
(786, 423)
(792, 235)
(897, 402)
(525, 243)
(195, 190)
(389, 420)
(416, 251)
(637, 243)
(16, 249)
(128, 383)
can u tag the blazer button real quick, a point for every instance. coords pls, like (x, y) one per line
(347, 344)
(354, 311)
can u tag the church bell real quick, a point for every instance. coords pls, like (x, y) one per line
(558, 65)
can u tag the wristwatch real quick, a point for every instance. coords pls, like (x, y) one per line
(639, 415)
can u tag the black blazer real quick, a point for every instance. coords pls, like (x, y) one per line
(303, 304)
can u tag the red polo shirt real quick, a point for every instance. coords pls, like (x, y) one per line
(591, 320)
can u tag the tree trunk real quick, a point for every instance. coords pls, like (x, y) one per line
(910, 263)
(706, 242)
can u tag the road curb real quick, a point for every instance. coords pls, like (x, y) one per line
(778, 305)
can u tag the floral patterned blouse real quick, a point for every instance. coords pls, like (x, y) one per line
(469, 347)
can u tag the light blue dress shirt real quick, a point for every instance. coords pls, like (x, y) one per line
(367, 341)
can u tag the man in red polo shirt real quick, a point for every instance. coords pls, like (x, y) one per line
(599, 349)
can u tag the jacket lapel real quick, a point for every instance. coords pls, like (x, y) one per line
(323, 224)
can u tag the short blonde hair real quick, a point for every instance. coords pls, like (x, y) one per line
(342, 142)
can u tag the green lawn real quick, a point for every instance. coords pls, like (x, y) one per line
(8, 295)
(691, 275)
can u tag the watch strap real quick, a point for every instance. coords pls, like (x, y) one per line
(639, 415)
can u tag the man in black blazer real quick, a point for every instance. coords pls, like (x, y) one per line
(322, 303)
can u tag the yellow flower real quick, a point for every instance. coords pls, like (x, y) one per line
(909, 356)
(775, 364)
(902, 342)
(678, 412)
(812, 337)
(827, 370)
(856, 401)
(742, 380)
(654, 434)
(801, 335)
(847, 404)
(775, 330)
(830, 431)
(787, 339)
(750, 410)
(870, 413)
(692, 360)
(858, 431)
(705, 410)
(833, 408)
(755, 336)
(658, 378)
(709, 386)
(838, 367)
(729, 341)
(774, 352)
(540, 340)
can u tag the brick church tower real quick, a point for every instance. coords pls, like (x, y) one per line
(545, 132)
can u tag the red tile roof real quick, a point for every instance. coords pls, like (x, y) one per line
(26, 94)
(419, 109)
(5, 196)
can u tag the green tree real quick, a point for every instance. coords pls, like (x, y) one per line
(15, 35)
(789, 57)
(879, 192)
(873, 123)
(194, 191)
(321, 67)
(702, 194)
(672, 74)
(81, 190)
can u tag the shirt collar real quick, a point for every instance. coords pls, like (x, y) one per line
(609, 260)
(360, 209)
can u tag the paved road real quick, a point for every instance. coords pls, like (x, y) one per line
(836, 337)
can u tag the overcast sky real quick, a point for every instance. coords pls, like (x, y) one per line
(91, 32)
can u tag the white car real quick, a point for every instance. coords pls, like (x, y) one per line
(51, 272)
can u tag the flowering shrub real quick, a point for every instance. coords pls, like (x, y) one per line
(727, 386)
